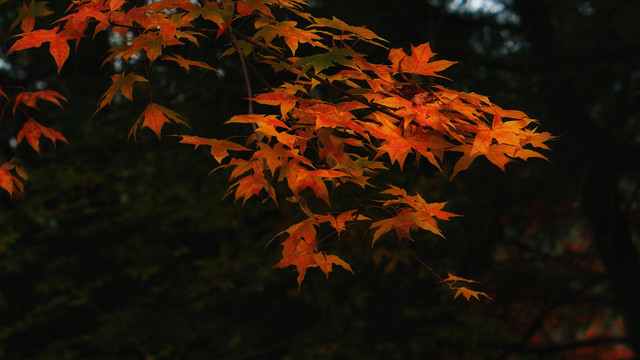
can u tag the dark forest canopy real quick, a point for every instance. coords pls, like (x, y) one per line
(123, 248)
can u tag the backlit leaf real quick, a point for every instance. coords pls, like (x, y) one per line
(154, 117)
(58, 46)
(30, 98)
(32, 131)
(219, 148)
(418, 62)
(121, 82)
(28, 13)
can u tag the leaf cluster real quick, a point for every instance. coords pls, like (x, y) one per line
(309, 147)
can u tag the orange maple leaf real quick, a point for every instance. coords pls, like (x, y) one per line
(325, 262)
(116, 4)
(291, 33)
(8, 181)
(453, 278)
(299, 250)
(267, 125)
(121, 82)
(344, 28)
(246, 7)
(77, 21)
(299, 178)
(277, 98)
(219, 148)
(251, 184)
(401, 223)
(30, 98)
(418, 62)
(339, 222)
(32, 131)
(155, 116)
(186, 63)
(468, 294)
(58, 46)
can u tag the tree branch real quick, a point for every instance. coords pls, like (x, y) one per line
(324, 82)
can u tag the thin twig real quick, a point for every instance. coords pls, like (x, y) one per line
(257, 73)
(243, 62)
(413, 254)
(361, 208)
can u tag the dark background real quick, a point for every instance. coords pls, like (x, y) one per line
(125, 250)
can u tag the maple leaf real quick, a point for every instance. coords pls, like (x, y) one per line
(453, 278)
(121, 82)
(320, 62)
(327, 115)
(299, 250)
(339, 222)
(77, 22)
(246, 7)
(359, 31)
(468, 294)
(58, 46)
(277, 98)
(416, 202)
(151, 43)
(252, 184)
(420, 215)
(401, 223)
(186, 64)
(32, 131)
(30, 98)
(27, 15)
(535, 139)
(155, 116)
(429, 144)
(418, 62)
(116, 4)
(395, 145)
(220, 15)
(219, 148)
(267, 125)
(290, 32)
(299, 179)
(325, 262)
(8, 181)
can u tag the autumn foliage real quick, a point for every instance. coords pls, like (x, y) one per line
(388, 114)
